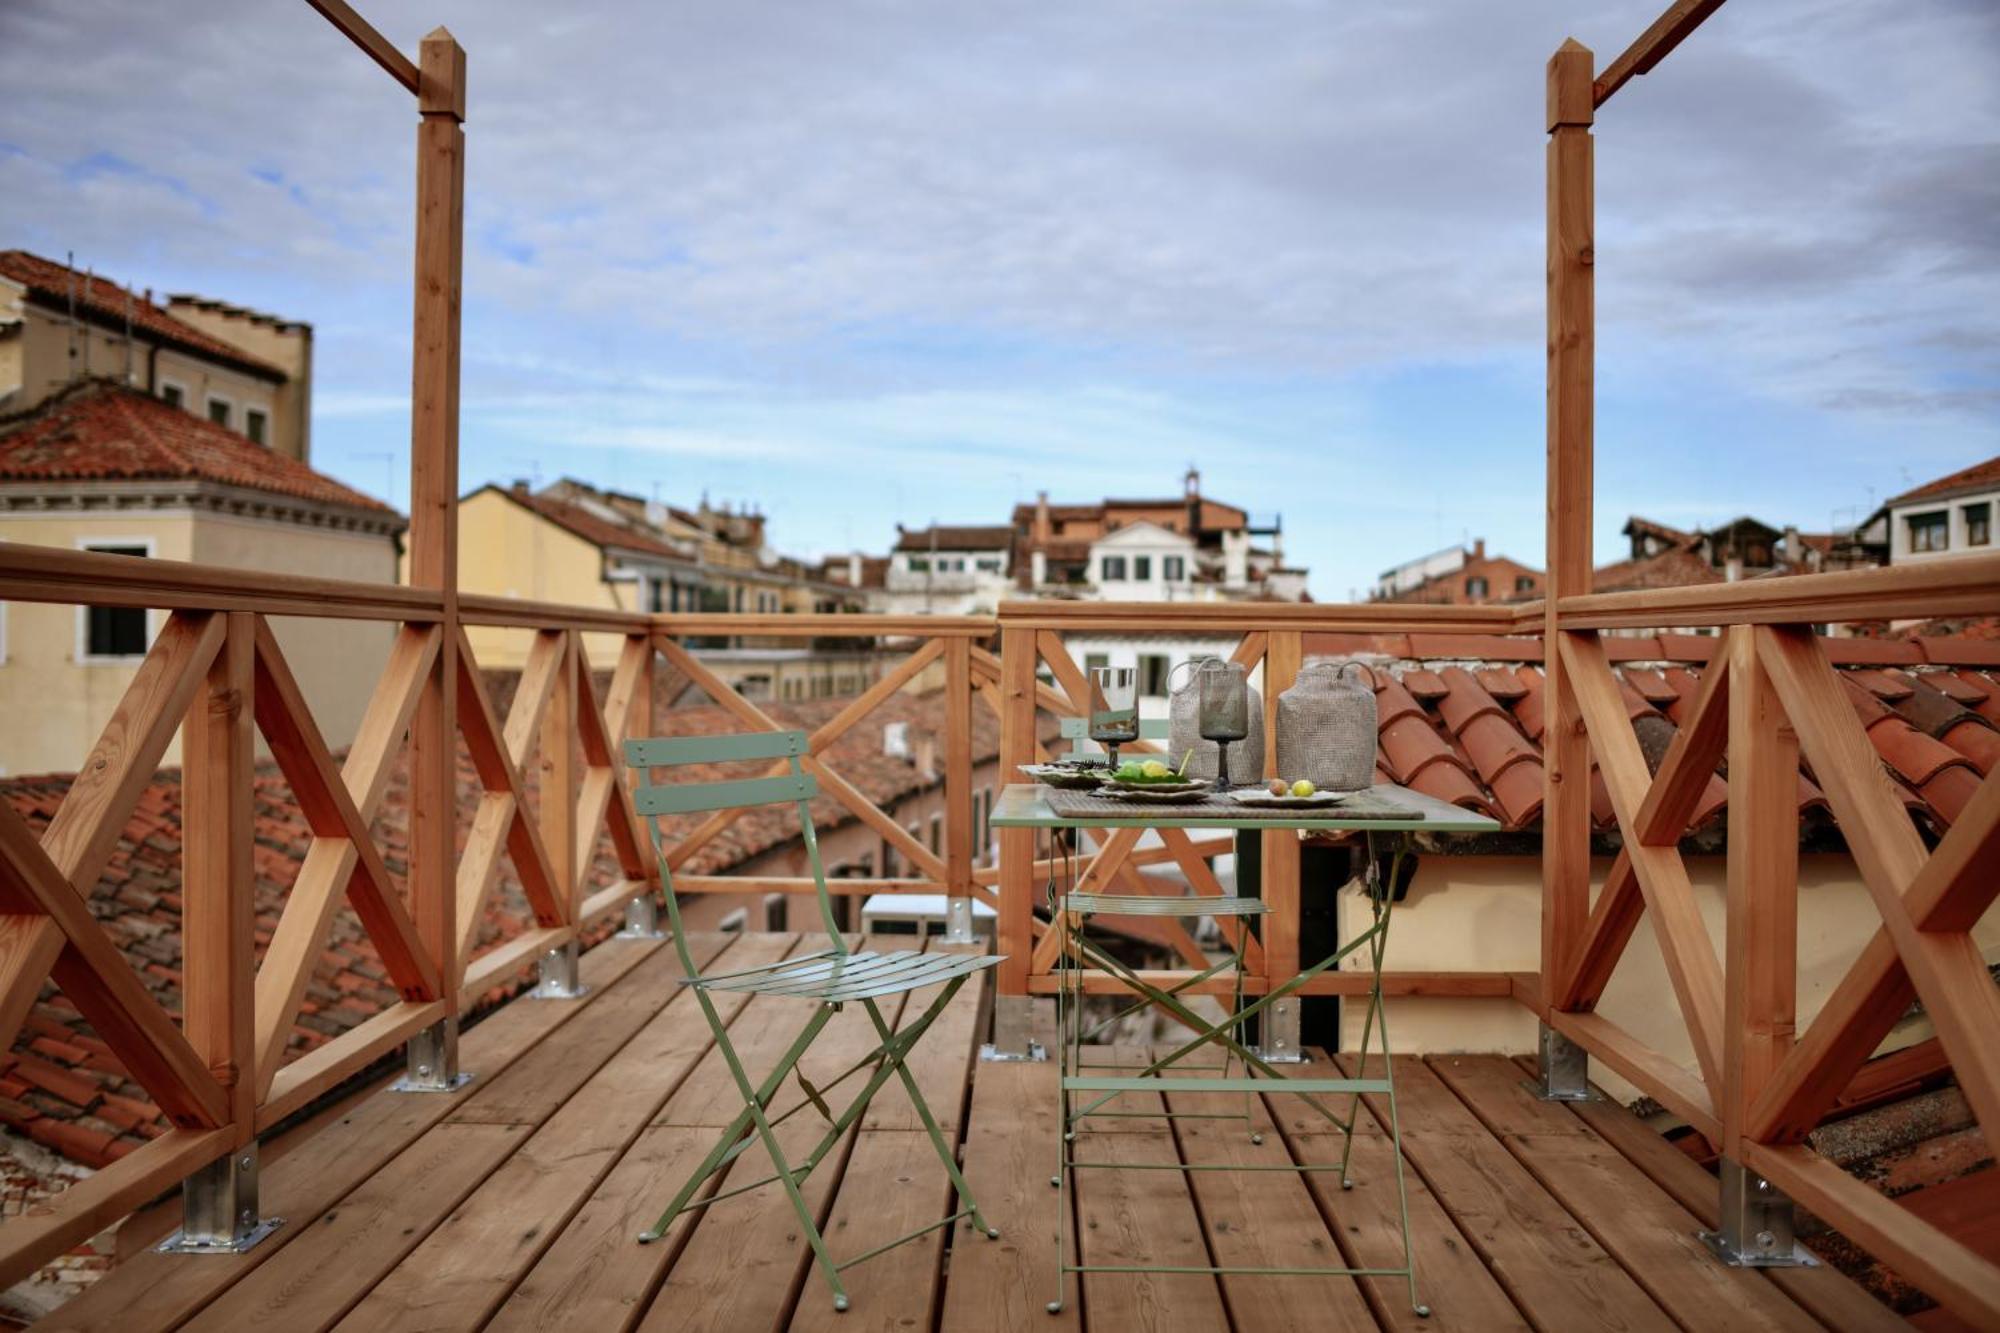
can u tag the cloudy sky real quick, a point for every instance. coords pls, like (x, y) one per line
(881, 261)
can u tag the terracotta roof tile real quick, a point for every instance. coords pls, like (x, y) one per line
(53, 283)
(1978, 476)
(1989, 706)
(1500, 682)
(99, 431)
(1425, 685)
(1950, 683)
(1651, 685)
(599, 532)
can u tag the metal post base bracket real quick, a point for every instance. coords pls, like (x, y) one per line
(1280, 1044)
(1013, 1031)
(219, 1209)
(1562, 1070)
(559, 979)
(432, 1060)
(1756, 1230)
(642, 919)
(958, 921)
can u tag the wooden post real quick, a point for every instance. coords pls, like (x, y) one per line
(1013, 1012)
(1761, 981)
(218, 879)
(958, 813)
(1572, 348)
(1283, 655)
(556, 757)
(434, 523)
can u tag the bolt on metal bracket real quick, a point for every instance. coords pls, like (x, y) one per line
(431, 1060)
(219, 1208)
(642, 919)
(559, 980)
(1013, 1029)
(1757, 1223)
(1279, 1040)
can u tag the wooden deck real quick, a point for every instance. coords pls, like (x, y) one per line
(513, 1204)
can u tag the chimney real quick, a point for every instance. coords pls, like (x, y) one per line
(1478, 548)
(925, 759)
(854, 569)
(1794, 553)
(1044, 528)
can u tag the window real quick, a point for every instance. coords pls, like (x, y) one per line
(920, 564)
(1113, 569)
(1524, 583)
(255, 420)
(1092, 661)
(989, 565)
(1930, 532)
(218, 410)
(173, 395)
(1173, 568)
(1475, 586)
(1153, 668)
(1142, 568)
(937, 834)
(1979, 523)
(113, 633)
(656, 589)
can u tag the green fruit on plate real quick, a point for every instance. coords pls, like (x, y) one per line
(1303, 787)
(1153, 768)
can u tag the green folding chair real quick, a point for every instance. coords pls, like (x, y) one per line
(828, 977)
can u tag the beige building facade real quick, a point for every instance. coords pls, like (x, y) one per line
(247, 372)
(64, 669)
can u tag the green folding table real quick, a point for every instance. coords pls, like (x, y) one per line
(1086, 1093)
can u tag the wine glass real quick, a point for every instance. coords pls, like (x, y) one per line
(1114, 708)
(1222, 712)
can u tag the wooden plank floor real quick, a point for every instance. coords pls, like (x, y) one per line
(513, 1204)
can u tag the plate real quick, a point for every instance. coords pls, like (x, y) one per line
(1262, 797)
(1062, 775)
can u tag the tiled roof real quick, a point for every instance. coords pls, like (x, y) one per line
(1980, 476)
(580, 522)
(1669, 569)
(100, 431)
(62, 1087)
(1646, 527)
(1460, 717)
(53, 283)
(955, 538)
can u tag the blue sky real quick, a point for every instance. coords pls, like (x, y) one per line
(868, 262)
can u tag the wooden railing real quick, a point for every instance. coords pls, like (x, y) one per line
(1769, 698)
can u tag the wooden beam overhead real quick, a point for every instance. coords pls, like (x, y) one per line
(1668, 31)
(363, 34)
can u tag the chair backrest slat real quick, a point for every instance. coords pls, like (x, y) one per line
(688, 797)
(669, 751)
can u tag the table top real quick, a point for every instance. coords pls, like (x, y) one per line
(1026, 805)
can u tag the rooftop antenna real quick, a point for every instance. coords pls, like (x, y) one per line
(534, 469)
(128, 337)
(69, 287)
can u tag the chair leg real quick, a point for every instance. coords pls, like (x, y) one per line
(732, 1142)
(945, 1152)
